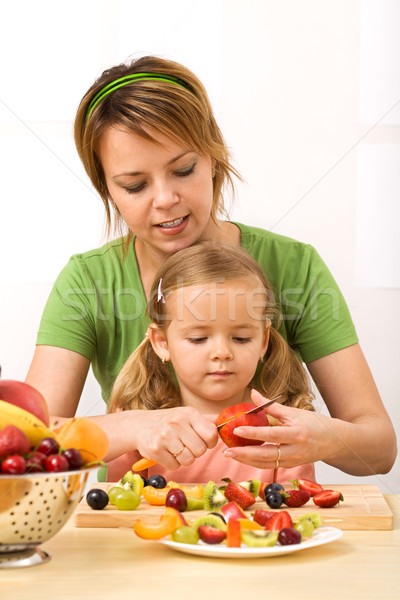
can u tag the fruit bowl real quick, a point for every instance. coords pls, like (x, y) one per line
(33, 508)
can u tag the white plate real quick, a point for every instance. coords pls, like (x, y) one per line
(323, 535)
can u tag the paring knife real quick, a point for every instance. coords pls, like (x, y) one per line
(252, 410)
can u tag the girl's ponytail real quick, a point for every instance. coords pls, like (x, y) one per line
(282, 373)
(144, 382)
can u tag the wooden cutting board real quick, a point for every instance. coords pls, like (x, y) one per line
(364, 507)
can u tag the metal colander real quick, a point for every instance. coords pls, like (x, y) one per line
(33, 508)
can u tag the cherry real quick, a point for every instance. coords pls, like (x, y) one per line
(13, 465)
(288, 536)
(48, 445)
(74, 458)
(54, 463)
(34, 462)
(176, 498)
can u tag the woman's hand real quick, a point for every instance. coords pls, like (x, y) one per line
(303, 437)
(173, 437)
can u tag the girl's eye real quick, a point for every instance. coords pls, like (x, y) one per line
(242, 340)
(186, 172)
(199, 340)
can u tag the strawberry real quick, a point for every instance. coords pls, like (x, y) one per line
(279, 521)
(236, 493)
(312, 487)
(13, 441)
(262, 516)
(327, 498)
(262, 488)
(295, 498)
(211, 535)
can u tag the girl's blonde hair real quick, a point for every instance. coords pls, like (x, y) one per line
(145, 383)
(180, 112)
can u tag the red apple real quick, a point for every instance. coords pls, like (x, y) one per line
(256, 419)
(24, 396)
(232, 510)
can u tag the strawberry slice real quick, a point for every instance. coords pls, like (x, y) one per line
(211, 535)
(327, 498)
(262, 516)
(312, 487)
(233, 537)
(295, 498)
(236, 493)
(279, 521)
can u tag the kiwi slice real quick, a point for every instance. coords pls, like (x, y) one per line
(194, 503)
(210, 521)
(213, 497)
(252, 485)
(259, 539)
(132, 481)
(314, 517)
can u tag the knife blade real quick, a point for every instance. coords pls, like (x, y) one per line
(252, 410)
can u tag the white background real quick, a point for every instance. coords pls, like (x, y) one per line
(308, 96)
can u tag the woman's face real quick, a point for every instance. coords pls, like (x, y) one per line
(164, 192)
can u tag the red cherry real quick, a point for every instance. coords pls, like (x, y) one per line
(176, 498)
(48, 445)
(34, 462)
(74, 458)
(55, 463)
(13, 465)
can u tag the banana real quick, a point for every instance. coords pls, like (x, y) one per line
(34, 429)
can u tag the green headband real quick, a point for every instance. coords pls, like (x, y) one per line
(115, 85)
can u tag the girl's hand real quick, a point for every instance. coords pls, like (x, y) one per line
(173, 437)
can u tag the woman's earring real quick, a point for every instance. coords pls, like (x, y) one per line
(164, 360)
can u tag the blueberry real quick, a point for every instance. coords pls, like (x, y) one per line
(97, 499)
(274, 499)
(157, 481)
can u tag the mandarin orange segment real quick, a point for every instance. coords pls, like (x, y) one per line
(155, 531)
(84, 435)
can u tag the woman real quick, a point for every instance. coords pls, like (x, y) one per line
(150, 144)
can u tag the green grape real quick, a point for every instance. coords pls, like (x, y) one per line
(185, 535)
(112, 492)
(126, 500)
(305, 527)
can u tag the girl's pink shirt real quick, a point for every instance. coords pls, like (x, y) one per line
(212, 466)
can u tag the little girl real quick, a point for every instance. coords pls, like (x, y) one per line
(213, 337)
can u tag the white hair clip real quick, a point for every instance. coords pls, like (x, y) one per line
(160, 295)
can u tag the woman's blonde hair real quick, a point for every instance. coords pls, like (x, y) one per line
(180, 112)
(145, 383)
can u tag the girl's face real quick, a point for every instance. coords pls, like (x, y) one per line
(164, 193)
(215, 339)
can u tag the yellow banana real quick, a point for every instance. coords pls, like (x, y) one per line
(34, 429)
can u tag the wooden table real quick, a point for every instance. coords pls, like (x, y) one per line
(90, 563)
